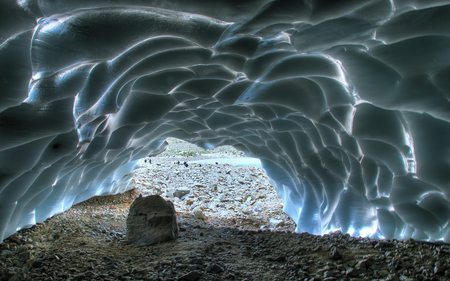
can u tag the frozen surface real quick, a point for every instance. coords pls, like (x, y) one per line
(346, 103)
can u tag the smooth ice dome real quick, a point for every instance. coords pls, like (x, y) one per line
(346, 103)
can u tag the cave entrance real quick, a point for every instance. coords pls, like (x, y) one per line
(220, 186)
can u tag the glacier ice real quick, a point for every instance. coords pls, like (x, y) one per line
(346, 103)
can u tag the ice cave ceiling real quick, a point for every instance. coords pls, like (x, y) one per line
(346, 103)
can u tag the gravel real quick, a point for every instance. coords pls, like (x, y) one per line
(242, 195)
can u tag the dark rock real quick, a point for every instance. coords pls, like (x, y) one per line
(351, 272)
(36, 264)
(215, 268)
(439, 268)
(6, 253)
(364, 263)
(230, 276)
(151, 220)
(447, 273)
(191, 276)
(279, 259)
(180, 193)
(335, 254)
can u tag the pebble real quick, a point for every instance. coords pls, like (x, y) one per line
(274, 223)
(180, 193)
(6, 253)
(198, 213)
(335, 254)
(439, 268)
(191, 276)
(215, 268)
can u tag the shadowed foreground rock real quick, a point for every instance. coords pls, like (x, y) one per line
(151, 220)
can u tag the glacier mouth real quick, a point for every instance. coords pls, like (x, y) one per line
(346, 104)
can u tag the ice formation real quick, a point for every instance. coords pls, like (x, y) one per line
(346, 103)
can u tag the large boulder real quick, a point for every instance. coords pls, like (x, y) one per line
(151, 220)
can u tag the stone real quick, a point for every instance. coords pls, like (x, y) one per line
(274, 223)
(215, 268)
(198, 213)
(383, 273)
(6, 253)
(191, 276)
(180, 193)
(151, 220)
(334, 253)
(439, 268)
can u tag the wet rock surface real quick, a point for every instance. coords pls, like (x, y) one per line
(151, 220)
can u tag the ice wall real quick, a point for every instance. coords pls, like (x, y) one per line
(346, 103)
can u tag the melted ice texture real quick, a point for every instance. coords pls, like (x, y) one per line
(346, 103)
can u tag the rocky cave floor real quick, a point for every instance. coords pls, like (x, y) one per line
(231, 228)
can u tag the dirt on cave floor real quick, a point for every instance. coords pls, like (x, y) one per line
(243, 240)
